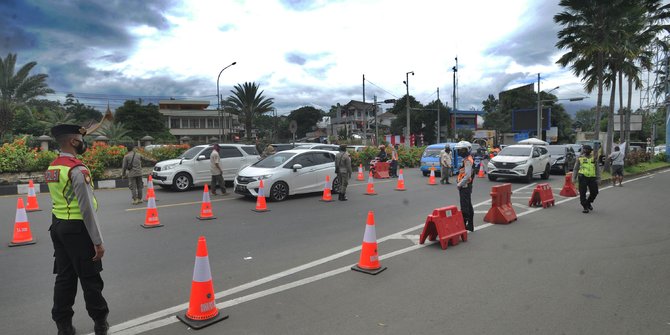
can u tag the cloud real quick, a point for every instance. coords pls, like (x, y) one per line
(300, 58)
(533, 42)
(226, 27)
(304, 5)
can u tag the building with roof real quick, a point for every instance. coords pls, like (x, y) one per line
(191, 119)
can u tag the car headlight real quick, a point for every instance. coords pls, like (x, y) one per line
(522, 162)
(263, 177)
(560, 159)
(169, 167)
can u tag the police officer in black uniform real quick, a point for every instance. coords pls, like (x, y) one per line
(78, 244)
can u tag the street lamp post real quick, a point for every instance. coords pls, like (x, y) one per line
(407, 132)
(539, 107)
(218, 101)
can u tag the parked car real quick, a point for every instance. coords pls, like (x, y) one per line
(319, 146)
(431, 158)
(193, 167)
(355, 148)
(659, 149)
(287, 146)
(562, 158)
(576, 148)
(287, 173)
(520, 161)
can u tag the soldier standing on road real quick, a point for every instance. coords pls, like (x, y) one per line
(217, 171)
(394, 162)
(465, 178)
(132, 163)
(445, 164)
(617, 158)
(343, 171)
(78, 244)
(588, 175)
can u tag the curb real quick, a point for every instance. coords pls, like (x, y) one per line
(43, 188)
(609, 181)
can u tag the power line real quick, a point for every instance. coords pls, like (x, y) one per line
(377, 86)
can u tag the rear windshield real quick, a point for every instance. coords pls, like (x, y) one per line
(250, 150)
(515, 151)
(432, 153)
(274, 161)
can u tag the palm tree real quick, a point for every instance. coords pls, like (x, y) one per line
(247, 103)
(115, 132)
(56, 117)
(17, 88)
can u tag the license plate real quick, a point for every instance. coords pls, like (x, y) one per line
(241, 187)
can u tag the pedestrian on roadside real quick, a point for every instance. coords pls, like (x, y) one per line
(382, 156)
(588, 176)
(269, 151)
(216, 170)
(466, 174)
(343, 171)
(132, 165)
(394, 162)
(75, 233)
(445, 164)
(617, 159)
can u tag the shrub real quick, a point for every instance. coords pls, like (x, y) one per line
(636, 157)
(166, 152)
(15, 156)
(101, 156)
(661, 157)
(406, 157)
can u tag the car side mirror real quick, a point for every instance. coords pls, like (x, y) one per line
(202, 157)
(296, 167)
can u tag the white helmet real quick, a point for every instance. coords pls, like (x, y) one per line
(463, 145)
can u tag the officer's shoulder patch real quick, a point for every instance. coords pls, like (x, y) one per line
(87, 175)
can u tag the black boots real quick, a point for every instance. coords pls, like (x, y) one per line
(101, 327)
(66, 328)
(342, 197)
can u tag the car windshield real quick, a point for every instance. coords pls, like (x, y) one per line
(557, 150)
(515, 151)
(274, 161)
(190, 153)
(432, 153)
(304, 146)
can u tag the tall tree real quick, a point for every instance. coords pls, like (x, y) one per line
(399, 109)
(142, 120)
(80, 112)
(247, 102)
(306, 117)
(116, 132)
(17, 88)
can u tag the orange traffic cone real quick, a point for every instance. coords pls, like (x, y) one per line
(401, 182)
(369, 260)
(327, 196)
(22, 234)
(371, 186)
(431, 180)
(32, 206)
(202, 310)
(151, 218)
(150, 189)
(260, 200)
(206, 207)
(481, 170)
(360, 173)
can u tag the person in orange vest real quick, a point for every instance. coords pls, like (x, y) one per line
(466, 174)
(75, 233)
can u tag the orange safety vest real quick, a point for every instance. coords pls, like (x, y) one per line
(461, 171)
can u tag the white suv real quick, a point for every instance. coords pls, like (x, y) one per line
(520, 161)
(193, 166)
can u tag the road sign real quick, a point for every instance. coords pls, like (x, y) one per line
(293, 126)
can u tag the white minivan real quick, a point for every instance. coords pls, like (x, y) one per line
(193, 167)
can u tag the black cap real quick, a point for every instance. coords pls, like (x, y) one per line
(66, 129)
(587, 147)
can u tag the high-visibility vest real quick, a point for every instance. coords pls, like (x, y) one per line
(461, 171)
(587, 166)
(65, 205)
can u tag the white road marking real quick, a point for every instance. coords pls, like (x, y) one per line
(481, 212)
(146, 323)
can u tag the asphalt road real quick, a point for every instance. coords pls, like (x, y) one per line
(554, 271)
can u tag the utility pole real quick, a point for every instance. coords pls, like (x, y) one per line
(453, 97)
(539, 110)
(365, 136)
(438, 115)
(376, 124)
(408, 131)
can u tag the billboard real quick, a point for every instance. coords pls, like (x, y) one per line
(465, 122)
(506, 98)
(525, 120)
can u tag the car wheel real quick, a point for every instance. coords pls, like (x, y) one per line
(545, 174)
(529, 175)
(492, 178)
(335, 187)
(182, 182)
(279, 191)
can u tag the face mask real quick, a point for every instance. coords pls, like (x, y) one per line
(81, 148)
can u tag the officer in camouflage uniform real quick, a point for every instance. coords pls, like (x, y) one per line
(75, 233)
(343, 170)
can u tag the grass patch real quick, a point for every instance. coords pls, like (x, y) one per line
(640, 168)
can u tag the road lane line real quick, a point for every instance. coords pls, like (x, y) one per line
(178, 204)
(172, 310)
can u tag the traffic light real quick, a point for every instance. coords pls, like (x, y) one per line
(389, 101)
